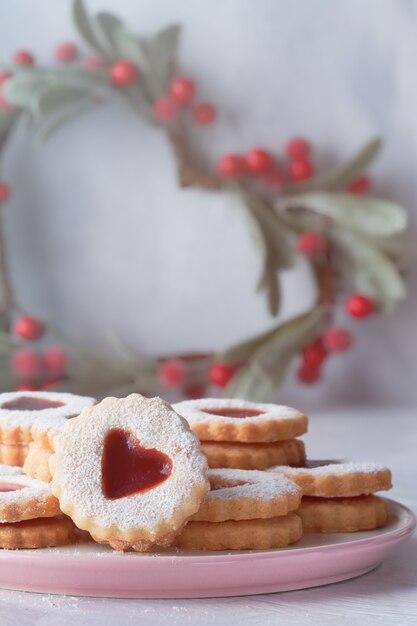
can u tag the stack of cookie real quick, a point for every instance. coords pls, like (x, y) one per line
(30, 516)
(132, 474)
(338, 497)
(246, 435)
(18, 413)
(244, 510)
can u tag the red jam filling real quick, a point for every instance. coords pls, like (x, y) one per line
(127, 468)
(234, 412)
(30, 403)
(5, 487)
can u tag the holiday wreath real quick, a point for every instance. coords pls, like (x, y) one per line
(356, 245)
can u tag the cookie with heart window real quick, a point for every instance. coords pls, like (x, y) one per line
(240, 420)
(129, 471)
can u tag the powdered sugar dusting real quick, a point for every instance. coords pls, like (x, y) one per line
(45, 418)
(10, 470)
(194, 411)
(257, 485)
(33, 490)
(330, 469)
(77, 476)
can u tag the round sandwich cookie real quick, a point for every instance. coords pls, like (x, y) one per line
(41, 410)
(240, 420)
(253, 456)
(244, 495)
(335, 479)
(129, 471)
(342, 515)
(252, 534)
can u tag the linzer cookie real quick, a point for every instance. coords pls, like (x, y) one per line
(36, 463)
(129, 471)
(253, 456)
(245, 495)
(43, 532)
(23, 498)
(243, 421)
(342, 515)
(20, 410)
(252, 534)
(13, 454)
(330, 479)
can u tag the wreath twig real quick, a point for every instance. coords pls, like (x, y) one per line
(356, 245)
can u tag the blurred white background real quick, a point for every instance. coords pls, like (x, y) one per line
(100, 237)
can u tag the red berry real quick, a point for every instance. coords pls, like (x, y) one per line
(360, 305)
(194, 392)
(165, 109)
(93, 63)
(314, 354)
(172, 373)
(55, 361)
(258, 161)
(23, 57)
(307, 374)
(231, 166)
(5, 104)
(4, 192)
(204, 114)
(182, 90)
(298, 148)
(26, 386)
(359, 186)
(220, 374)
(66, 52)
(301, 169)
(123, 73)
(311, 244)
(28, 328)
(26, 364)
(4, 76)
(337, 339)
(275, 179)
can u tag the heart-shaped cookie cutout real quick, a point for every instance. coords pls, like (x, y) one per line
(127, 468)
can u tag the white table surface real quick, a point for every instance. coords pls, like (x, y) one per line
(386, 596)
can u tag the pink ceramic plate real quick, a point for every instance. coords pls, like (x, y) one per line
(93, 570)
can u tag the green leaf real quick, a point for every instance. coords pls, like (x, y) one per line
(22, 89)
(342, 175)
(268, 365)
(53, 100)
(129, 47)
(366, 269)
(51, 127)
(106, 25)
(162, 53)
(366, 215)
(84, 24)
(242, 352)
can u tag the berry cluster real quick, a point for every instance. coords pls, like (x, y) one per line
(181, 96)
(261, 163)
(36, 370)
